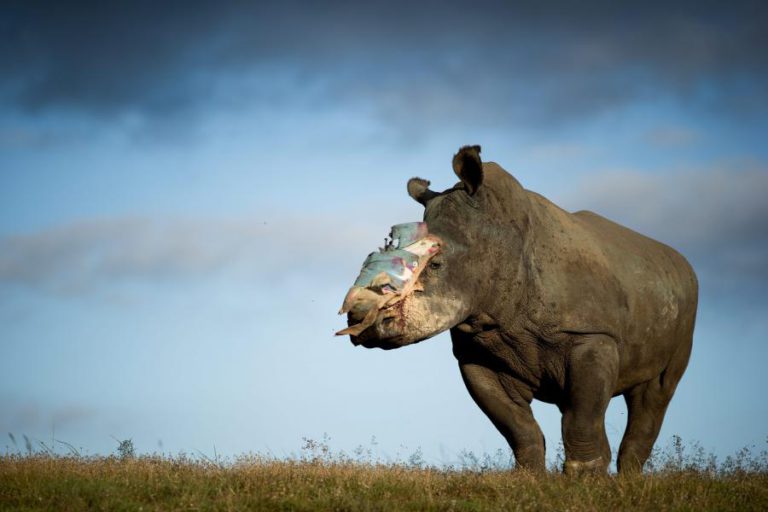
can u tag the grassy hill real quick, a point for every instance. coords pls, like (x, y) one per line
(328, 482)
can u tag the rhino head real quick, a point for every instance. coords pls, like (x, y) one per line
(444, 287)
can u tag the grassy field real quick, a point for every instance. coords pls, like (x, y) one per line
(327, 482)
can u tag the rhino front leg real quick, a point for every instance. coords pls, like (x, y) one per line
(509, 412)
(592, 371)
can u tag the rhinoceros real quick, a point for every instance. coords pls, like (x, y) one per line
(567, 308)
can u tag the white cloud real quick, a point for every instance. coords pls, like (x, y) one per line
(32, 416)
(716, 216)
(78, 256)
(672, 136)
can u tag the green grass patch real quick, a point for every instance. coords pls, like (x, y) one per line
(45, 482)
(678, 477)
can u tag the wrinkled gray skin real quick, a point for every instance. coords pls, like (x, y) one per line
(568, 308)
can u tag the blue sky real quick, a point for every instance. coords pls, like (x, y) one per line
(186, 192)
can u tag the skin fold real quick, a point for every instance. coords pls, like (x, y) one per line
(568, 308)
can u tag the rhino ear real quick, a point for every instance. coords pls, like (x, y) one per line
(419, 190)
(469, 168)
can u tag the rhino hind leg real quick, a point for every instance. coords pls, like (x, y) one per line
(646, 405)
(592, 372)
(510, 413)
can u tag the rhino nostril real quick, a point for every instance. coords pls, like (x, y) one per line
(355, 316)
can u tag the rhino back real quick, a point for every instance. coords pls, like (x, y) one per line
(655, 275)
(592, 275)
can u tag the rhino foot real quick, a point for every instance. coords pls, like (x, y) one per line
(578, 468)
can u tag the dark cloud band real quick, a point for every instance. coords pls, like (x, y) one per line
(495, 60)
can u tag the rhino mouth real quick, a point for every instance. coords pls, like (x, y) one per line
(384, 344)
(377, 335)
(387, 333)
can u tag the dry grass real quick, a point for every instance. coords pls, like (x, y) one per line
(46, 482)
